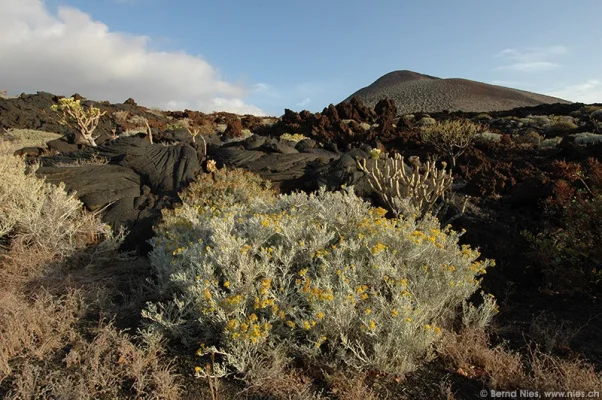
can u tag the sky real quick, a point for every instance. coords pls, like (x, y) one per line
(262, 56)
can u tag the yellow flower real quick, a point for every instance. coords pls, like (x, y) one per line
(306, 325)
(379, 247)
(364, 296)
(207, 294)
(253, 317)
(320, 315)
(394, 313)
(368, 311)
(381, 212)
(197, 369)
(232, 325)
(290, 323)
(303, 272)
(408, 319)
(372, 325)
(427, 327)
(437, 330)
(227, 284)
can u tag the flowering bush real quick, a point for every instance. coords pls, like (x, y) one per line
(323, 278)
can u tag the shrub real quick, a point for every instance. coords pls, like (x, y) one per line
(321, 278)
(596, 114)
(531, 137)
(295, 137)
(483, 117)
(38, 215)
(587, 138)
(550, 143)
(451, 138)
(489, 137)
(83, 121)
(568, 250)
(560, 127)
(226, 187)
(426, 121)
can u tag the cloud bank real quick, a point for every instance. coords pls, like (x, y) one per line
(68, 52)
(586, 92)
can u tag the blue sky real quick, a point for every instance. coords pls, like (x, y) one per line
(263, 56)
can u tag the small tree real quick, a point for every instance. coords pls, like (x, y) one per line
(82, 120)
(451, 138)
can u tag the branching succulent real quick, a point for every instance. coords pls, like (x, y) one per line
(81, 119)
(404, 189)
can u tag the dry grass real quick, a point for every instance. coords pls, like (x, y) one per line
(15, 139)
(552, 334)
(469, 353)
(61, 279)
(35, 329)
(78, 162)
(352, 387)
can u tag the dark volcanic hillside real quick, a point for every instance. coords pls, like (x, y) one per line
(414, 92)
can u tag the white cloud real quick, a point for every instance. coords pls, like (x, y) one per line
(586, 92)
(69, 52)
(304, 102)
(532, 59)
(532, 66)
(266, 90)
(508, 83)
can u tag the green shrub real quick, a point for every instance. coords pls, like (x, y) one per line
(321, 278)
(559, 127)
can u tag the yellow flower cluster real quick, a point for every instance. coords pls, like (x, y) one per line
(314, 293)
(378, 248)
(319, 253)
(233, 300)
(250, 329)
(271, 220)
(264, 299)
